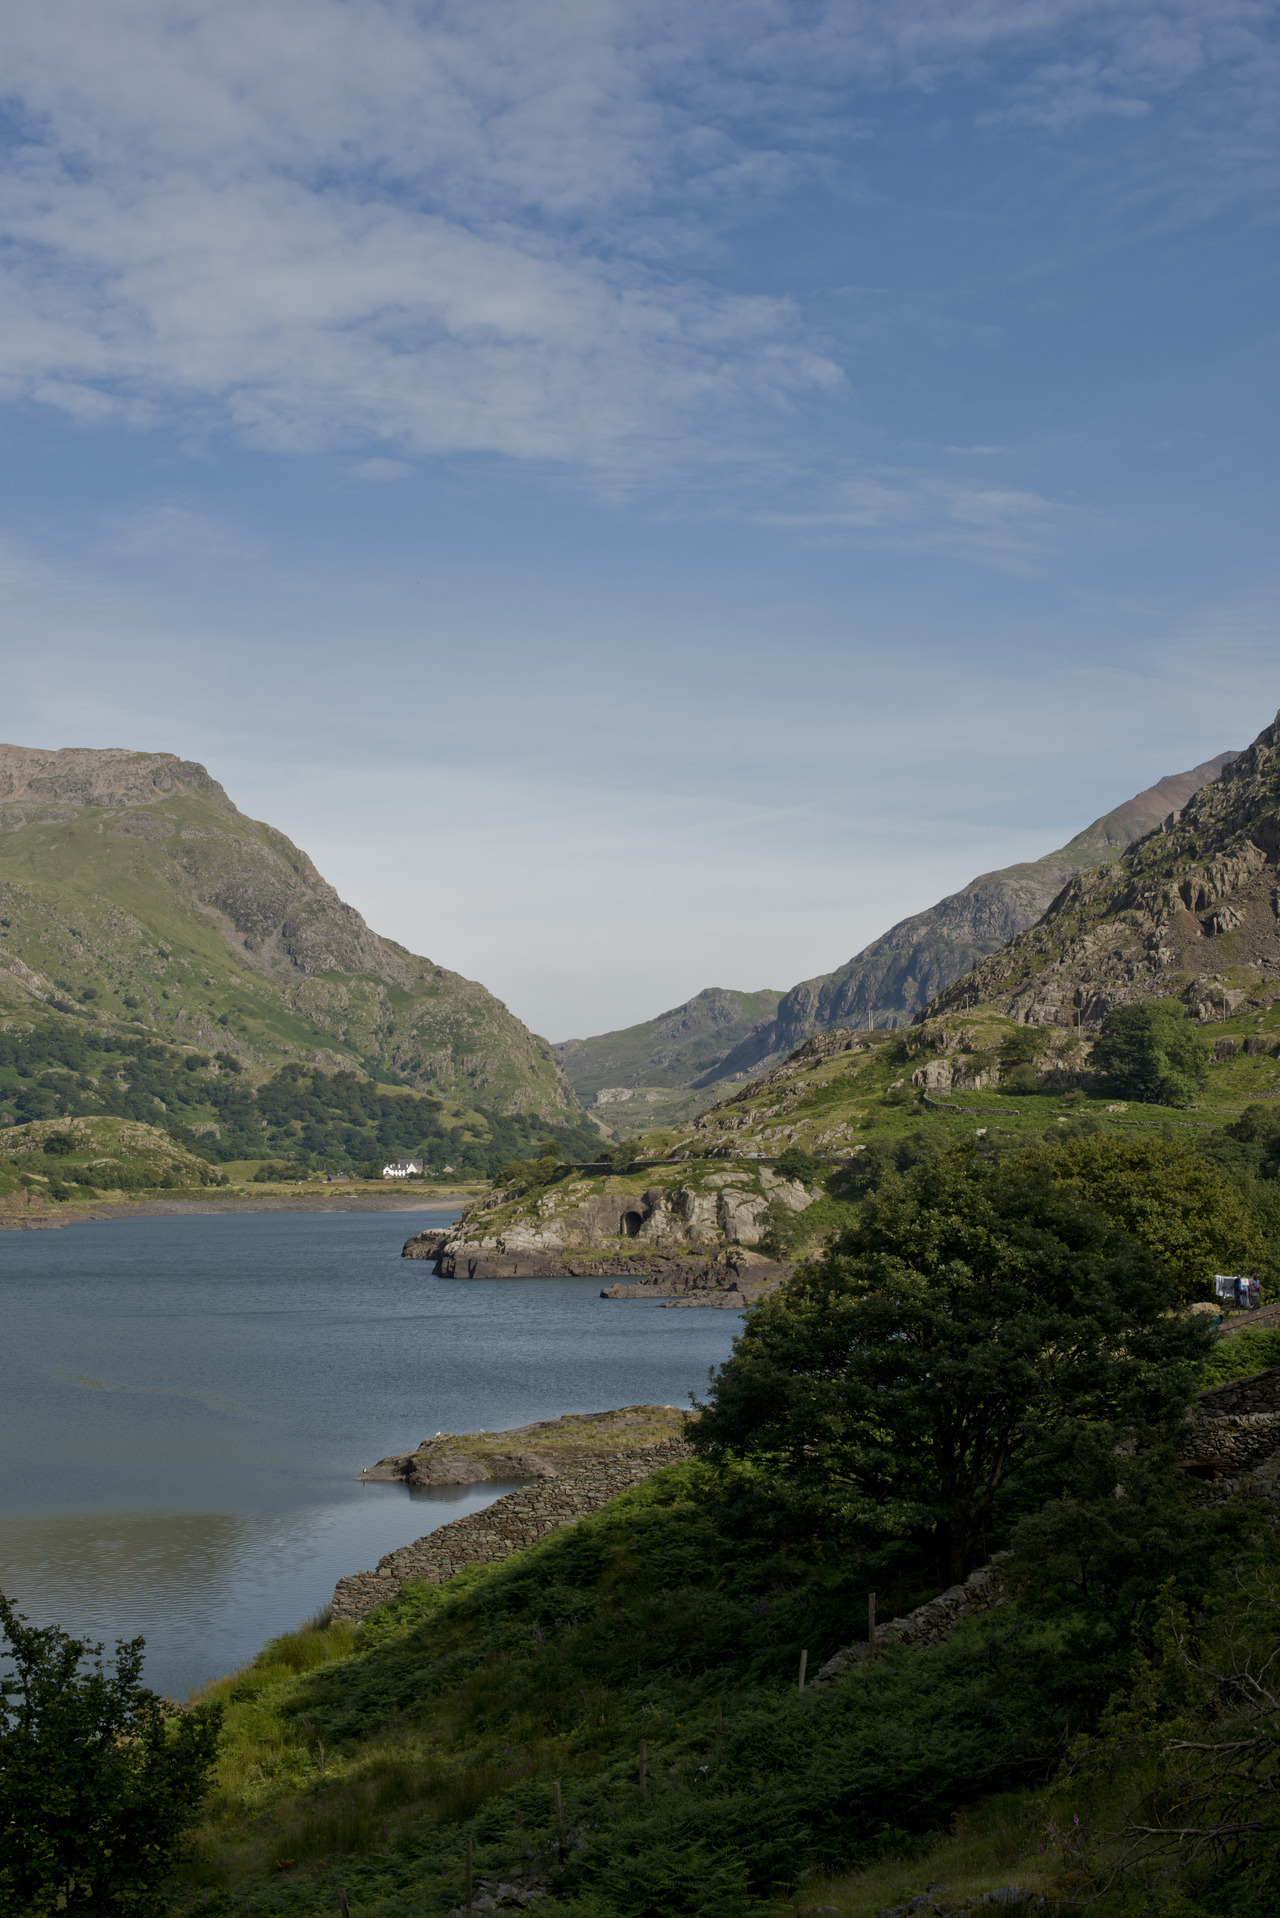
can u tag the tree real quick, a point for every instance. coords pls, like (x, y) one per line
(1152, 1052)
(100, 1779)
(892, 1388)
(1019, 1051)
(796, 1163)
(1173, 1200)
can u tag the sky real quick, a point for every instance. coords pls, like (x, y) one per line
(646, 495)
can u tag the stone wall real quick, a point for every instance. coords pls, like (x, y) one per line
(1259, 1393)
(930, 1623)
(506, 1526)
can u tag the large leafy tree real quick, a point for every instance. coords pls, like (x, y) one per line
(894, 1388)
(1152, 1052)
(100, 1779)
(1174, 1200)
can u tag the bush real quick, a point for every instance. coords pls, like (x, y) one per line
(59, 1144)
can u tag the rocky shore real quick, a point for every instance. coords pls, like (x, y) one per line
(550, 1448)
(730, 1278)
(508, 1525)
(43, 1216)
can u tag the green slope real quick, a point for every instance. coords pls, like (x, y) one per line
(134, 893)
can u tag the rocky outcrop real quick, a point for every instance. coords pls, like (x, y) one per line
(509, 1525)
(579, 1221)
(890, 981)
(732, 1279)
(713, 1037)
(1191, 912)
(426, 1245)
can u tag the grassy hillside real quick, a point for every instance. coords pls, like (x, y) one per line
(134, 896)
(676, 1050)
(367, 1761)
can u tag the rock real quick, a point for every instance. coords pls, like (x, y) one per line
(1187, 905)
(508, 1525)
(426, 1245)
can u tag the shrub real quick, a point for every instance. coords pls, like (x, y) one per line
(100, 1779)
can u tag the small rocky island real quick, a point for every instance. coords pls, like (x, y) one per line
(681, 1233)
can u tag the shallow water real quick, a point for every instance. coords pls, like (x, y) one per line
(185, 1404)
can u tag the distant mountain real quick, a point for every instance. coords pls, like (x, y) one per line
(885, 985)
(133, 893)
(675, 1050)
(1191, 911)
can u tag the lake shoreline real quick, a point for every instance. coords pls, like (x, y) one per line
(42, 1217)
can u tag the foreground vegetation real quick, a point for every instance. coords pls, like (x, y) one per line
(991, 1358)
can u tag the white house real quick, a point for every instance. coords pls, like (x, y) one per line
(401, 1168)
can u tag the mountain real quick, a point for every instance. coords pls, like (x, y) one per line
(1191, 911)
(674, 1050)
(883, 986)
(134, 893)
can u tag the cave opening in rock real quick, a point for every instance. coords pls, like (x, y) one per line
(631, 1223)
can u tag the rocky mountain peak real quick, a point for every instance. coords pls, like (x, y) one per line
(101, 776)
(1191, 910)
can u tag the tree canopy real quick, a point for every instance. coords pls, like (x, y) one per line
(896, 1386)
(1153, 1052)
(1172, 1199)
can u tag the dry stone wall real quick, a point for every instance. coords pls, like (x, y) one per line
(508, 1525)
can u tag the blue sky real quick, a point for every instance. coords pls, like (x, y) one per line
(645, 495)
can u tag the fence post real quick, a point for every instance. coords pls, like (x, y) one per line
(871, 1624)
(644, 1764)
(468, 1874)
(346, 1909)
(559, 1815)
(804, 1666)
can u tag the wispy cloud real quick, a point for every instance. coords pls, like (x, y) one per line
(475, 227)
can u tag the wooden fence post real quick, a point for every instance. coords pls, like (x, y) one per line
(559, 1815)
(644, 1764)
(804, 1666)
(871, 1624)
(342, 1900)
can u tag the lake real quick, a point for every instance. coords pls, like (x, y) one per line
(185, 1403)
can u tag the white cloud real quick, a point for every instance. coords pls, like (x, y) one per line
(476, 227)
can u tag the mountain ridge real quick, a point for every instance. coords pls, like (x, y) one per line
(1190, 910)
(884, 986)
(134, 891)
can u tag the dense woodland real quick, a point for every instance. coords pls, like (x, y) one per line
(306, 1117)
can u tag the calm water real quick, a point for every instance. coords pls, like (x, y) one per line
(185, 1402)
